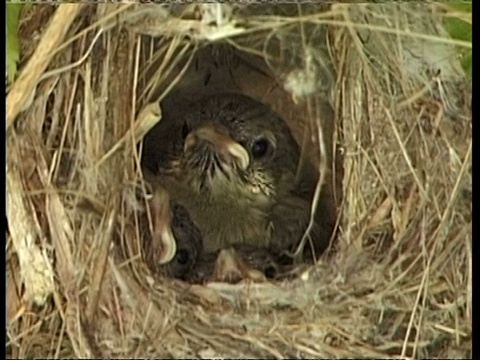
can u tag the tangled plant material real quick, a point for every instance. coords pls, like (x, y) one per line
(400, 280)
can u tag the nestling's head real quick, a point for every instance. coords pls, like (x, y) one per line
(225, 144)
(172, 244)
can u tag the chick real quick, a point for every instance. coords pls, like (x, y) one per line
(231, 162)
(173, 244)
(236, 263)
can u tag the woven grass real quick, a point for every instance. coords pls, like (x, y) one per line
(399, 282)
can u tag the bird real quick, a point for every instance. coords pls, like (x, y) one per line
(173, 244)
(235, 263)
(173, 247)
(231, 162)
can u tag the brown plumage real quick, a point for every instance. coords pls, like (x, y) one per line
(231, 162)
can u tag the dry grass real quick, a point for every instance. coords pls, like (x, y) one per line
(400, 282)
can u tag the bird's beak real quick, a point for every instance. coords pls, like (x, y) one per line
(163, 239)
(223, 143)
(230, 267)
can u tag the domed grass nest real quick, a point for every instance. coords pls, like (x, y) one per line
(398, 281)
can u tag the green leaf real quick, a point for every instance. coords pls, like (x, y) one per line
(458, 29)
(461, 30)
(13, 46)
(467, 63)
(461, 6)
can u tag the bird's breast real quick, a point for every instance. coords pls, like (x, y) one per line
(224, 219)
(223, 224)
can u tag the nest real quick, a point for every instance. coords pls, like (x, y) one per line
(399, 282)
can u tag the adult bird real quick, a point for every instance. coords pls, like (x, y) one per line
(231, 162)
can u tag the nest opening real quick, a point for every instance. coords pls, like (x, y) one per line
(219, 68)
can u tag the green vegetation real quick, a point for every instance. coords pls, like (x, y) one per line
(13, 44)
(461, 30)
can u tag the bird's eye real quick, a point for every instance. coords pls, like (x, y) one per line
(260, 148)
(185, 130)
(182, 256)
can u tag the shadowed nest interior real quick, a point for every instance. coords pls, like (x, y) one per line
(398, 281)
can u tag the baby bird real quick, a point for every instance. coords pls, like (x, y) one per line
(231, 162)
(173, 244)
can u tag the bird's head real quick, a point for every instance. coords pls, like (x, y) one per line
(227, 144)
